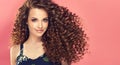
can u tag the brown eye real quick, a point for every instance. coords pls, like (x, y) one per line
(45, 20)
(34, 19)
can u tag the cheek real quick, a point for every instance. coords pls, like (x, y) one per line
(31, 26)
(46, 25)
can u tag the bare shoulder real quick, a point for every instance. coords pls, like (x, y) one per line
(14, 50)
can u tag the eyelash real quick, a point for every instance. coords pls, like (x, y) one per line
(34, 20)
(45, 20)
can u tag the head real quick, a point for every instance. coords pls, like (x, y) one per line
(36, 17)
(32, 19)
(61, 29)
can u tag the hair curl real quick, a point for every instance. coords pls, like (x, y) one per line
(64, 38)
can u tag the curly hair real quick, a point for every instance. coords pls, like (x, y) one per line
(64, 38)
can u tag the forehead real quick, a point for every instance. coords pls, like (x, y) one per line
(38, 13)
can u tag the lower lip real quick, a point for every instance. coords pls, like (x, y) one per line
(39, 30)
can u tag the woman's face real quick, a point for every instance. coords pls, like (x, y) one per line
(37, 22)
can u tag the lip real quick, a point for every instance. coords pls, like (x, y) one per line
(39, 30)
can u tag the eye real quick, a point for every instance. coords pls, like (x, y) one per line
(45, 19)
(34, 19)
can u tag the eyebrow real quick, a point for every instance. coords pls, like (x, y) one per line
(35, 17)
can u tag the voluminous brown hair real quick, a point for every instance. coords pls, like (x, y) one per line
(64, 38)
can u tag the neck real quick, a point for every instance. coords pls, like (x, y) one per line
(34, 40)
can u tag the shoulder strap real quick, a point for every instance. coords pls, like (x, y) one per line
(21, 49)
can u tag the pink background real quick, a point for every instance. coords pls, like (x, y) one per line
(101, 19)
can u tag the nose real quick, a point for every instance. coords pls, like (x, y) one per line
(40, 24)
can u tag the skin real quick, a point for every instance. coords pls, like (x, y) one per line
(37, 20)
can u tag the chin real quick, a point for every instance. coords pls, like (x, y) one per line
(39, 34)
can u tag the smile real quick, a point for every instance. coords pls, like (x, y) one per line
(39, 30)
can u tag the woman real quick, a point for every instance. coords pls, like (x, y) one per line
(45, 33)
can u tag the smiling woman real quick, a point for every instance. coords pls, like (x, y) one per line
(45, 33)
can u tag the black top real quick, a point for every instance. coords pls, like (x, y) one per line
(41, 60)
